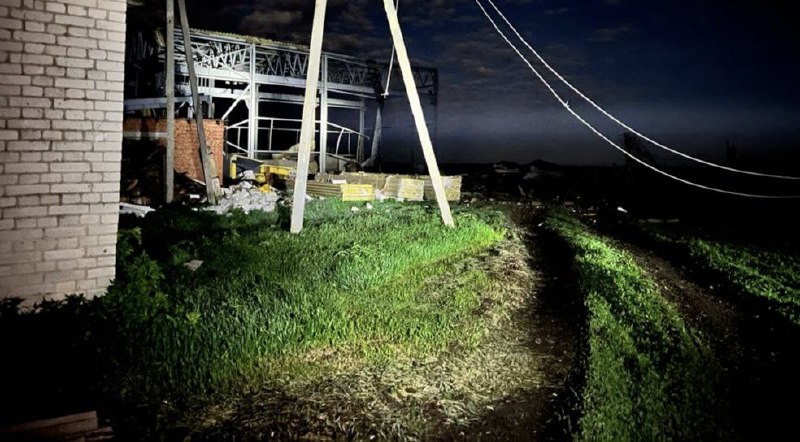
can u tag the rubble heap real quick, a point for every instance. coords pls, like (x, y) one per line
(247, 197)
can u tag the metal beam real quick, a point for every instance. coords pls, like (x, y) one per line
(307, 126)
(235, 102)
(252, 128)
(323, 117)
(169, 168)
(209, 172)
(416, 111)
(362, 113)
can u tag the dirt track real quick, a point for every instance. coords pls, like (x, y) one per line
(757, 349)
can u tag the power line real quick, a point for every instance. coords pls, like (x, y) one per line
(611, 143)
(616, 120)
(391, 60)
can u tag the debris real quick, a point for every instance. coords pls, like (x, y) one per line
(246, 197)
(248, 175)
(621, 209)
(354, 209)
(193, 264)
(139, 211)
(369, 206)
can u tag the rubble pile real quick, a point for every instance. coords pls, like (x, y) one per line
(247, 197)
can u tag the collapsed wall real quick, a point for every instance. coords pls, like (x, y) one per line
(187, 152)
(61, 97)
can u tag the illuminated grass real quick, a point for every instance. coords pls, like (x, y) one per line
(748, 269)
(647, 375)
(349, 279)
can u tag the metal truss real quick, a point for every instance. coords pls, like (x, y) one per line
(247, 70)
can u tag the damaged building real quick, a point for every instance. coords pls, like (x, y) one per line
(77, 85)
(251, 92)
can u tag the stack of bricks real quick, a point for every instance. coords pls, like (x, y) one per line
(61, 97)
(187, 153)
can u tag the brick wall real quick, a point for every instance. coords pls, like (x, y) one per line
(187, 153)
(61, 85)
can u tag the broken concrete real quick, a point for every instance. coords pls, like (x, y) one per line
(246, 197)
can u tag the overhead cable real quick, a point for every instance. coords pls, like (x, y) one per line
(606, 139)
(391, 61)
(621, 123)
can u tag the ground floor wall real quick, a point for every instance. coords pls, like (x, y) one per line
(61, 103)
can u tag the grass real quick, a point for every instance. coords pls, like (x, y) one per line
(773, 276)
(164, 335)
(647, 375)
(401, 395)
(769, 274)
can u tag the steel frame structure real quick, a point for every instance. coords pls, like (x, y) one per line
(252, 71)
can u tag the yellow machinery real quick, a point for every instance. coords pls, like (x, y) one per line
(263, 170)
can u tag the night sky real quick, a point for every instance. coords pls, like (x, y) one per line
(692, 73)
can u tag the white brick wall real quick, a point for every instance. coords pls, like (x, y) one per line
(61, 84)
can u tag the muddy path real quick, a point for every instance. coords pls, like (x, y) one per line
(552, 324)
(758, 350)
(550, 327)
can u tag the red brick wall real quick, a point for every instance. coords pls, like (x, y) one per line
(187, 154)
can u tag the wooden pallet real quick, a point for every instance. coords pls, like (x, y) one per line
(347, 192)
(378, 180)
(452, 187)
(74, 427)
(402, 187)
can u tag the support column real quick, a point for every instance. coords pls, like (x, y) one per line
(252, 125)
(323, 117)
(416, 111)
(309, 110)
(362, 113)
(169, 167)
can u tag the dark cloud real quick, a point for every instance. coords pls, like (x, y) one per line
(556, 11)
(610, 34)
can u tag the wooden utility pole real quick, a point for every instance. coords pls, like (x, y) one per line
(209, 170)
(169, 172)
(309, 111)
(416, 111)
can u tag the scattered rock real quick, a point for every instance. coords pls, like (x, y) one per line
(246, 197)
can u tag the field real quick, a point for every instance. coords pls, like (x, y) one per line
(540, 316)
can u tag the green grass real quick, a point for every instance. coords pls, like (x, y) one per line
(769, 274)
(773, 276)
(357, 280)
(648, 376)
